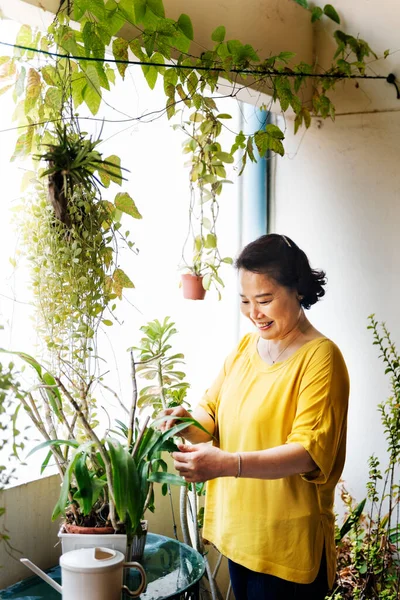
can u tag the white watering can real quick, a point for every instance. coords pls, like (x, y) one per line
(92, 574)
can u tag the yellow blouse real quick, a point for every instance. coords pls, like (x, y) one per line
(279, 526)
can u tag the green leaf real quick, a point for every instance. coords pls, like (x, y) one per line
(207, 279)
(60, 507)
(23, 146)
(119, 464)
(224, 157)
(107, 322)
(124, 202)
(46, 461)
(211, 241)
(115, 19)
(33, 88)
(80, 7)
(120, 52)
(218, 35)
(132, 10)
(286, 56)
(352, 519)
(111, 172)
(24, 36)
(96, 7)
(91, 93)
(48, 443)
(316, 14)
(185, 25)
(330, 12)
(302, 3)
(119, 281)
(78, 83)
(157, 7)
(386, 53)
(151, 74)
(275, 132)
(53, 98)
(84, 483)
(20, 83)
(169, 478)
(53, 393)
(28, 359)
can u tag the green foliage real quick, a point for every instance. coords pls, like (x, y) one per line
(12, 440)
(44, 93)
(88, 489)
(369, 540)
(160, 364)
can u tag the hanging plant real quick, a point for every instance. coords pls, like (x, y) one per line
(188, 84)
(207, 178)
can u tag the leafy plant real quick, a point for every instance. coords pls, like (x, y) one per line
(12, 440)
(369, 540)
(72, 161)
(208, 174)
(72, 246)
(56, 89)
(159, 363)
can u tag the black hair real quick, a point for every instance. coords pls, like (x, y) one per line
(281, 259)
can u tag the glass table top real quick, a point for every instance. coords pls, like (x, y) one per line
(171, 567)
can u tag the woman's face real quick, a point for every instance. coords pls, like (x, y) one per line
(274, 309)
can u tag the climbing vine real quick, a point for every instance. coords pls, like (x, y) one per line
(77, 70)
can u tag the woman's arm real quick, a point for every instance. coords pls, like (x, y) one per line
(204, 462)
(192, 433)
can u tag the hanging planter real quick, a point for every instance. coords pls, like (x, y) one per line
(192, 286)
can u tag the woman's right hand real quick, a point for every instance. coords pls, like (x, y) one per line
(173, 415)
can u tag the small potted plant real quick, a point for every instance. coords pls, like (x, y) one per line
(207, 178)
(203, 272)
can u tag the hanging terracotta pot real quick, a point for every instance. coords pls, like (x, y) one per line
(193, 286)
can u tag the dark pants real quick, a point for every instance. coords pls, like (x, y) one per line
(250, 585)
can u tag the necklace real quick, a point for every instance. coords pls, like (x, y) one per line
(282, 351)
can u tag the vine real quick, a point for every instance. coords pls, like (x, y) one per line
(45, 92)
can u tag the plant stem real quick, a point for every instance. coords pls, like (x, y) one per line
(102, 451)
(140, 436)
(131, 423)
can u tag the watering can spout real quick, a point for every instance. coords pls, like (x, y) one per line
(41, 574)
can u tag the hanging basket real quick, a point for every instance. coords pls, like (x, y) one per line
(193, 287)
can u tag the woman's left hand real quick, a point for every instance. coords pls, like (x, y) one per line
(202, 462)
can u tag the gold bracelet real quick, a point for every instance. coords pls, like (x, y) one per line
(239, 471)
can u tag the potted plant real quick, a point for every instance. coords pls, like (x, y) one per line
(207, 178)
(107, 483)
(368, 541)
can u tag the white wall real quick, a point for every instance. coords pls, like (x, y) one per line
(337, 193)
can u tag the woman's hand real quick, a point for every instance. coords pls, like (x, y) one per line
(177, 412)
(203, 462)
(191, 432)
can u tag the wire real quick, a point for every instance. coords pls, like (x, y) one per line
(271, 72)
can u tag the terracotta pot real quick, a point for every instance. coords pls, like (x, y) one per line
(88, 530)
(193, 286)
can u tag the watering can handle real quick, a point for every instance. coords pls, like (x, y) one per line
(135, 565)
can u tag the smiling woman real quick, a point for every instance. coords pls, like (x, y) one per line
(278, 412)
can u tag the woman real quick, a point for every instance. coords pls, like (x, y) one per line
(277, 414)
